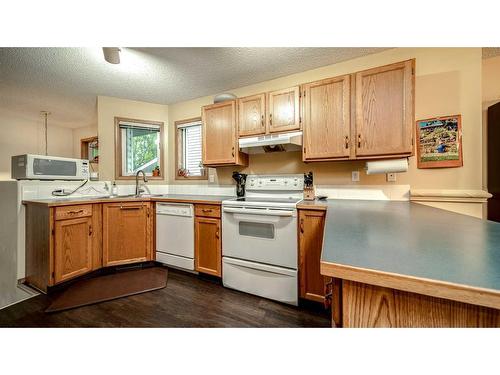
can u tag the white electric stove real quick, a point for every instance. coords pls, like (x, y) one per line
(259, 238)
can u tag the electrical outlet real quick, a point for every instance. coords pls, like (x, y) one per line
(391, 177)
(211, 178)
(355, 176)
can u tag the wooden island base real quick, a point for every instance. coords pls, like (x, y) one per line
(369, 306)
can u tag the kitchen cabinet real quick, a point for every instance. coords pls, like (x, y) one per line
(284, 110)
(207, 240)
(252, 115)
(327, 119)
(73, 248)
(61, 243)
(385, 110)
(311, 227)
(220, 143)
(127, 233)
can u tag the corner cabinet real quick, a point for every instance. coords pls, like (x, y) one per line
(127, 233)
(385, 110)
(220, 143)
(62, 243)
(207, 240)
(327, 122)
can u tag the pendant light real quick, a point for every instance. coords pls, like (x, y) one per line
(45, 114)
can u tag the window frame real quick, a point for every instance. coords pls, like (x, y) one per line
(178, 150)
(119, 150)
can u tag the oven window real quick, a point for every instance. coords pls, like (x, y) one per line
(260, 230)
(50, 167)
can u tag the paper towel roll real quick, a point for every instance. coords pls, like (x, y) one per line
(387, 166)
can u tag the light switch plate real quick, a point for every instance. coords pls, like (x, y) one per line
(391, 177)
(355, 176)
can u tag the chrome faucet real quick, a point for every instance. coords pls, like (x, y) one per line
(137, 190)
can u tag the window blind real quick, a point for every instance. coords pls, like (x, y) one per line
(192, 149)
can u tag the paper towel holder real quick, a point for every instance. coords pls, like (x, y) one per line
(387, 166)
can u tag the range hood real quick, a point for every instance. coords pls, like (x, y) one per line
(272, 143)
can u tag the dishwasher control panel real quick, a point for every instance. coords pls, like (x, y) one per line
(175, 209)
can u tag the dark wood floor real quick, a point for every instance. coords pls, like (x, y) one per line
(187, 301)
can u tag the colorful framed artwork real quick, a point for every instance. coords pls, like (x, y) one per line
(439, 142)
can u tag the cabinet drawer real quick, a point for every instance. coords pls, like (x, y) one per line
(207, 210)
(71, 212)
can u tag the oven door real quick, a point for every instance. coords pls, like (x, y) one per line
(265, 235)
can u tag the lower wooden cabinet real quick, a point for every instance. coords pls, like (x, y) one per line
(311, 227)
(207, 244)
(72, 248)
(65, 242)
(127, 233)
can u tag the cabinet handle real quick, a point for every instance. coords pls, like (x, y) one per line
(75, 212)
(130, 208)
(217, 233)
(90, 230)
(262, 120)
(207, 210)
(346, 142)
(232, 151)
(359, 140)
(301, 225)
(270, 119)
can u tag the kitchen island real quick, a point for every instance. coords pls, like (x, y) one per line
(403, 264)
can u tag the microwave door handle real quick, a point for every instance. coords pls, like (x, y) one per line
(250, 211)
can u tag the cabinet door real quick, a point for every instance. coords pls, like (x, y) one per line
(72, 248)
(385, 110)
(207, 246)
(284, 110)
(311, 226)
(219, 133)
(251, 115)
(327, 123)
(127, 234)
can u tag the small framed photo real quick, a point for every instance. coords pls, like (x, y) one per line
(439, 142)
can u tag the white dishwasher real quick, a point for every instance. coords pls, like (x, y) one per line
(175, 234)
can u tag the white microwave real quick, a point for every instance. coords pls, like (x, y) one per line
(41, 167)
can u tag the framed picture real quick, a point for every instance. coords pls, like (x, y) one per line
(439, 142)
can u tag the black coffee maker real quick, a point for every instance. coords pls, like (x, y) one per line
(240, 179)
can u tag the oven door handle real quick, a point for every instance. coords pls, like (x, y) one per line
(250, 211)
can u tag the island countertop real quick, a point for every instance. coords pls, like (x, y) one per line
(415, 248)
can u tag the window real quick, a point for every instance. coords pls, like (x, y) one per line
(188, 154)
(138, 147)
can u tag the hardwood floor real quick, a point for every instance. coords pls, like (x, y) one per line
(187, 301)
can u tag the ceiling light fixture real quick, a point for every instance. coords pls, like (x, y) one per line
(111, 54)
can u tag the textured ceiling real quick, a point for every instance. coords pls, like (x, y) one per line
(66, 81)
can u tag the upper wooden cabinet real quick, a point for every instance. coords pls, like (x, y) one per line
(220, 142)
(327, 123)
(284, 110)
(127, 233)
(385, 110)
(252, 115)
